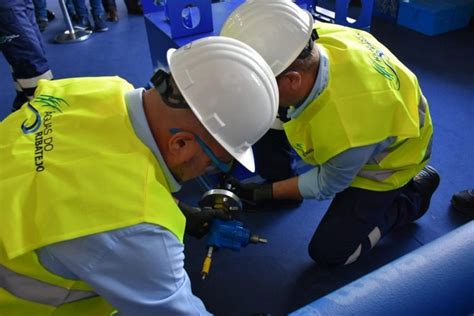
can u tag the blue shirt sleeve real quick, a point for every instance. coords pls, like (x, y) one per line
(325, 181)
(138, 269)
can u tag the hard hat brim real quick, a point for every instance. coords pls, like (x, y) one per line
(246, 158)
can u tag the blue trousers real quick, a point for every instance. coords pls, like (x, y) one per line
(22, 45)
(40, 9)
(81, 8)
(357, 219)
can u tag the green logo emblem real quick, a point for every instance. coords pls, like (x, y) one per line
(381, 62)
(383, 67)
(301, 149)
(49, 101)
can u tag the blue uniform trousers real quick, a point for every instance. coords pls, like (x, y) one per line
(21, 44)
(357, 219)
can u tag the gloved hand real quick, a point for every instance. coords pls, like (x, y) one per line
(253, 194)
(198, 219)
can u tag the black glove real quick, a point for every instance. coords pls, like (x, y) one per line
(253, 194)
(198, 219)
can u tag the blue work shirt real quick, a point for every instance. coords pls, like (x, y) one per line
(326, 180)
(138, 269)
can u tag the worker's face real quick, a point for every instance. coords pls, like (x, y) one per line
(195, 156)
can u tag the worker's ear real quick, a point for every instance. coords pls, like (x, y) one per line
(290, 81)
(182, 146)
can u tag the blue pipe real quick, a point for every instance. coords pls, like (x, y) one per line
(435, 279)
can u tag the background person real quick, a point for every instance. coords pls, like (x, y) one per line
(81, 14)
(43, 15)
(22, 45)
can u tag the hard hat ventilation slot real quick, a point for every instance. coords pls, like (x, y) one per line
(213, 123)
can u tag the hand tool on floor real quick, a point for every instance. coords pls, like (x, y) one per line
(225, 234)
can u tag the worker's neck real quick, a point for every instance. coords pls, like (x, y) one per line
(309, 79)
(151, 100)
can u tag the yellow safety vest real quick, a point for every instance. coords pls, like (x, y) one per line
(370, 96)
(71, 166)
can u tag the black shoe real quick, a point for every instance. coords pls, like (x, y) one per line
(425, 182)
(20, 99)
(83, 24)
(134, 8)
(463, 202)
(112, 15)
(74, 18)
(100, 24)
(42, 24)
(51, 15)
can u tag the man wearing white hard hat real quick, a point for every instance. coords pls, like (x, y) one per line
(356, 113)
(88, 224)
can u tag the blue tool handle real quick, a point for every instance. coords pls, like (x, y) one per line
(228, 234)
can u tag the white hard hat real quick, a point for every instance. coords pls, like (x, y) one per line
(231, 90)
(277, 29)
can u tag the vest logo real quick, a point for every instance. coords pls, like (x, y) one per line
(42, 126)
(381, 62)
(46, 101)
(302, 150)
(33, 127)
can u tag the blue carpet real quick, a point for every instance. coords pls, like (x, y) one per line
(280, 277)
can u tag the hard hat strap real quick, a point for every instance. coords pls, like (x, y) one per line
(224, 167)
(309, 46)
(167, 88)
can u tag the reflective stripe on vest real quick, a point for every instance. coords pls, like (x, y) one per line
(381, 175)
(37, 291)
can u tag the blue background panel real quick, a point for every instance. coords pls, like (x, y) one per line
(189, 17)
(159, 34)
